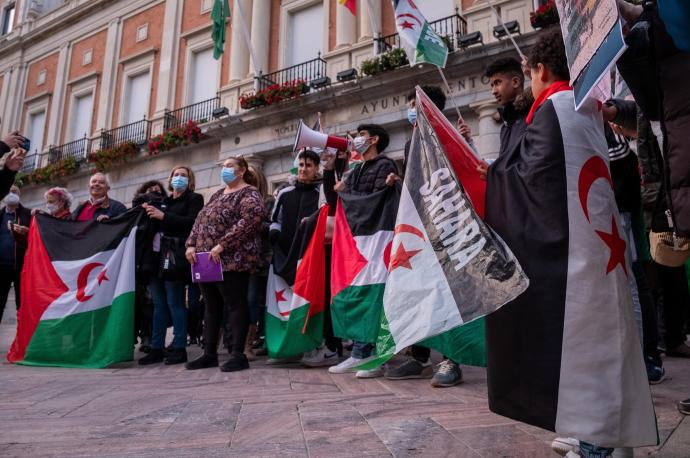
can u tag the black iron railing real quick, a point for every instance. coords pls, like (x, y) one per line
(450, 29)
(137, 132)
(77, 149)
(306, 71)
(31, 162)
(198, 112)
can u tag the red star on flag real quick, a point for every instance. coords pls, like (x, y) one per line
(280, 297)
(102, 277)
(407, 25)
(402, 257)
(617, 246)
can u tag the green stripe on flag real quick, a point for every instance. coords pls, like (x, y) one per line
(357, 312)
(284, 339)
(93, 339)
(430, 48)
(464, 345)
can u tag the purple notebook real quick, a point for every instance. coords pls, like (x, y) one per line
(206, 269)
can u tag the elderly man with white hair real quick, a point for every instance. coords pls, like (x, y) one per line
(99, 206)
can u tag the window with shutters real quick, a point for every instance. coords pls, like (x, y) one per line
(8, 18)
(80, 119)
(136, 100)
(203, 76)
(436, 9)
(305, 37)
(35, 130)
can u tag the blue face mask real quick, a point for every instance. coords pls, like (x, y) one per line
(227, 174)
(412, 115)
(179, 183)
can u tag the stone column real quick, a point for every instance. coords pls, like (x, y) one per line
(239, 53)
(489, 142)
(57, 104)
(254, 160)
(260, 31)
(105, 98)
(367, 17)
(345, 27)
(165, 95)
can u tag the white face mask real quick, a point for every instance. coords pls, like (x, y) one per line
(360, 144)
(12, 199)
(52, 208)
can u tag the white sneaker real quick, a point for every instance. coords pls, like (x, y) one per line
(566, 446)
(349, 365)
(320, 357)
(370, 373)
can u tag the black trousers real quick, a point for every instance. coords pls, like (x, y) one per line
(333, 343)
(228, 297)
(9, 276)
(650, 324)
(674, 288)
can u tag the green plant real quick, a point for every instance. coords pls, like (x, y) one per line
(177, 136)
(107, 158)
(370, 67)
(52, 172)
(448, 42)
(274, 93)
(393, 59)
(545, 15)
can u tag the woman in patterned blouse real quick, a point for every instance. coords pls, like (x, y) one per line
(229, 227)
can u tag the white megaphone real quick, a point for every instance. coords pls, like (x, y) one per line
(309, 138)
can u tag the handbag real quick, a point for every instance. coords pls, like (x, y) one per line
(173, 263)
(669, 249)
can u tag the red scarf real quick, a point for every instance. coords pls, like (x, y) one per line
(556, 86)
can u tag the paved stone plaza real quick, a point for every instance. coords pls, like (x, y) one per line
(273, 411)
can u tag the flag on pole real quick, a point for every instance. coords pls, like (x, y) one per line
(77, 293)
(447, 268)
(419, 40)
(362, 238)
(350, 5)
(295, 292)
(219, 13)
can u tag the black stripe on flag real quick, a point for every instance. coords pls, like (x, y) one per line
(371, 213)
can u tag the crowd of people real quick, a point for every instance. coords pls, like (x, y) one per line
(242, 226)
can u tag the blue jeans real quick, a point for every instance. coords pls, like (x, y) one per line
(168, 300)
(361, 350)
(627, 229)
(256, 297)
(594, 451)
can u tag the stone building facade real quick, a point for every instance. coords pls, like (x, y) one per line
(79, 75)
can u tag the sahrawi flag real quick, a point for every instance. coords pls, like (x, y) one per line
(77, 305)
(295, 292)
(447, 268)
(419, 40)
(362, 236)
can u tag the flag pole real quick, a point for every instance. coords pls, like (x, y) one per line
(500, 21)
(450, 92)
(248, 39)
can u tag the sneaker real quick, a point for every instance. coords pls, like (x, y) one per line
(145, 345)
(237, 362)
(565, 446)
(276, 361)
(155, 355)
(681, 351)
(655, 371)
(447, 374)
(684, 407)
(202, 362)
(411, 368)
(320, 357)
(370, 373)
(176, 356)
(349, 365)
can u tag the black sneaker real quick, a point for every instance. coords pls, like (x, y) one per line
(176, 356)
(237, 362)
(448, 374)
(156, 355)
(684, 407)
(410, 369)
(655, 371)
(202, 362)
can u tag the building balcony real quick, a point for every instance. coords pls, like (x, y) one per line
(137, 132)
(77, 149)
(306, 71)
(200, 112)
(450, 29)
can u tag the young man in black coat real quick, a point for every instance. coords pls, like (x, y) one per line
(14, 229)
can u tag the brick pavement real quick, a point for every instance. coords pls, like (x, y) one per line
(266, 411)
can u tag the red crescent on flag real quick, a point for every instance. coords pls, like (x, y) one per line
(400, 228)
(592, 170)
(411, 16)
(83, 279)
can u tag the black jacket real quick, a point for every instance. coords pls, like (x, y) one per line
(6, 175)
(180, 214)
(110, 207)
(292, 204)
(20, 242)
(513, 115)
(365, 178)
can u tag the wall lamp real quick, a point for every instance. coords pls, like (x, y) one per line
(347, 75)
(512, 26)
(321, 82)
(470, 39)
(220, 112)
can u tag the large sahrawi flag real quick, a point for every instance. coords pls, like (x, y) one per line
(295, 292)
(447, 268)
(566, 355)
(77, 293)
(362, 237)
(421, 43)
